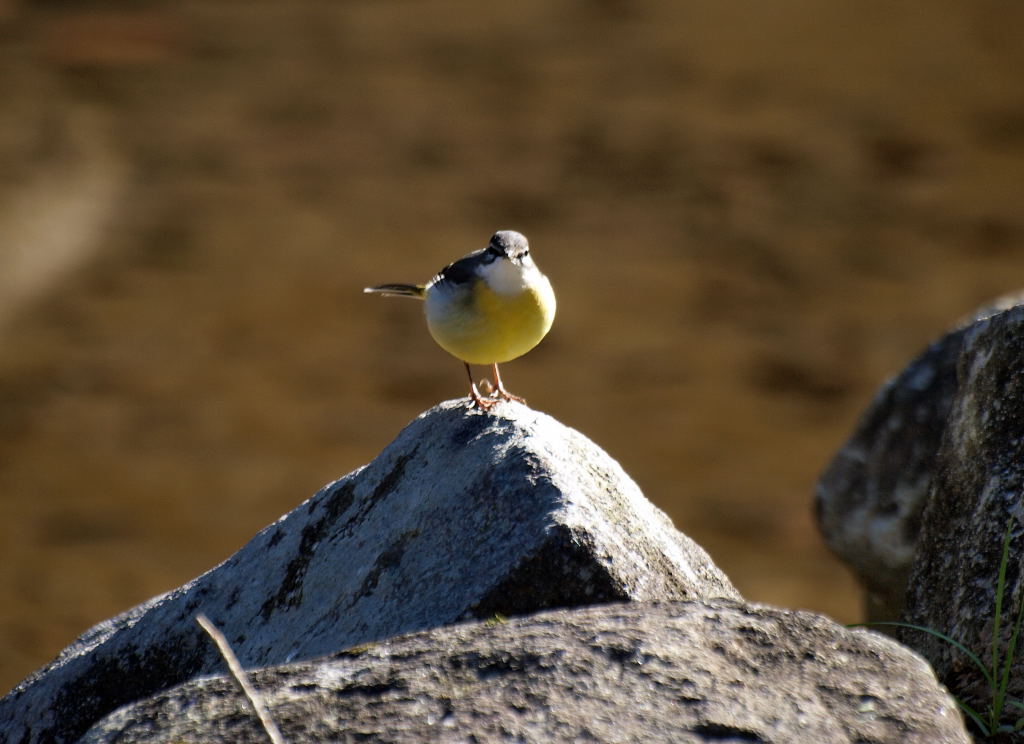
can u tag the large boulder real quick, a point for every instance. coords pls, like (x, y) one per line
(920, 499)
(465, 515)
(977, 495)
(716, 671)
(869, 499)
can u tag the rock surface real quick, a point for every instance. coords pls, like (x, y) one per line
(976, 496)
(463, 516)
(718, 671)
(870, 498)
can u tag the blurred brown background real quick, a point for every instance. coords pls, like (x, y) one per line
(752, 214)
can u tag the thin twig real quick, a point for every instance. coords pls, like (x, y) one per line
(262, 712)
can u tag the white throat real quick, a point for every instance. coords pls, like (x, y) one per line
(505, 277)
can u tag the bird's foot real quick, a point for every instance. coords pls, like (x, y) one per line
(503, 394)
(499, 388)
(478, 401)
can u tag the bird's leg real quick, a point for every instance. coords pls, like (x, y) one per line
(474, 395)
(500, 390)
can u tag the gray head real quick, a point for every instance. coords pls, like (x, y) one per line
(510, 244)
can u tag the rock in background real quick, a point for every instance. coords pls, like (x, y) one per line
(870, 497)
(919, 500)
(465, 515)
(678, 672)
(975, 497)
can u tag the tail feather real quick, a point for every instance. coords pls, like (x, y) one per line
(398, 290)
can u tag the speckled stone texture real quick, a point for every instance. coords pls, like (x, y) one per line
(870, 498)
(718, 671)
(465, 515)
(976, 496)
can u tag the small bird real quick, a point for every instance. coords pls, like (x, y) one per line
(489, 307)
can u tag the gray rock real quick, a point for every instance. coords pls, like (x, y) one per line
(463, 516)
(870, 497)
(718, 671)
(976, 496)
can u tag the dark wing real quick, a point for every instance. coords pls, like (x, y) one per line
(463, 270)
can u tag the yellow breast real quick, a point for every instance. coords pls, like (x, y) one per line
(481, 326)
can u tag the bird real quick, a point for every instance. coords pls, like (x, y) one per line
(489, 307)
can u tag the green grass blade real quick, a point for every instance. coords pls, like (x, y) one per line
(1009, 657)
(951, 641)
(1000, 590)
(973, 714)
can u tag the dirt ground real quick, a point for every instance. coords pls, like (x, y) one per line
(752, 213)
